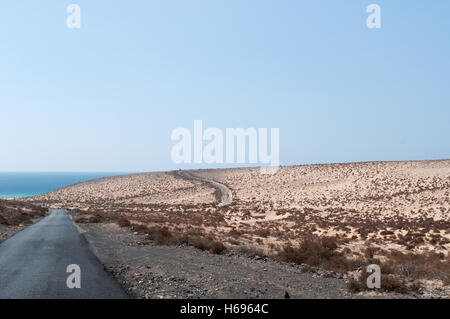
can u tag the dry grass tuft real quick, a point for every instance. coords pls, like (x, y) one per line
(389, 283)
(217, 248)
(316, 251)
(123, 222)
(140, 229)
(13, 213)
(162, 236)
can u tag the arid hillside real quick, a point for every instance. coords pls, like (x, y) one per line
(129, 190)
(14, 216)
(335, 216)
(401, 204)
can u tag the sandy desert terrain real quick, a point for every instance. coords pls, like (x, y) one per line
(15, 216)
(144, 190)
(335, 216)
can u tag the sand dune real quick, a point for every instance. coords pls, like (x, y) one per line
(394, 213)
(147, 188)
(403, 205)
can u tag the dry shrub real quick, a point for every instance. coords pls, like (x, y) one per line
(446, 280)
(369, 253)
(263, 232)
(81, 220)
(415, 287)
(89, 220)
(123, 222)
(234, 233)
(217, 248)
(18, 220)
(393, 283)
(201, 243)
(359, 284)
(251, 251)
(140, 229)
(329, 242)
(14, 213)
(416, 266)
(353, 286)
(307, 268)
(233, 242)
(162, 236)
(95, 219)
(389, 283)
(316, 251)
(400, 267)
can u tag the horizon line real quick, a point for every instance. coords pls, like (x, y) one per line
(230, 167)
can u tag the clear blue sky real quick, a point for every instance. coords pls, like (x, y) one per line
(107, 97)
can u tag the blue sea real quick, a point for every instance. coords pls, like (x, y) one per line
(17, 185)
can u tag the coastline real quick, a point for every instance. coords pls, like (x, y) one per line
(21, 185)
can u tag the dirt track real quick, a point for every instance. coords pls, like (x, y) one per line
(226, 195)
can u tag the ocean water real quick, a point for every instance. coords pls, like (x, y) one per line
(17, 185)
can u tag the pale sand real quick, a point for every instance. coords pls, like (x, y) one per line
(380, 189)
(146, 188)
(356, 202)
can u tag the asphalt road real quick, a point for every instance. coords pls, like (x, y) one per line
(33, 263)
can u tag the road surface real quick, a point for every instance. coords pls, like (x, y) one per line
(33, 263)
(226, 194)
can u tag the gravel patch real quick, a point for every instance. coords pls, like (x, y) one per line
(148, 271)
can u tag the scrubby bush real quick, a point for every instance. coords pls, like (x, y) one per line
(95, 219)
(389, 283)
(201, 243)
(353, 286)
(140, 229)
(235, 233)
(3, 221)
(162, 236)
(446, 280)
(252, 251)
(217, 248)
(393, 283)
(17, 220)
(123, 222)
(263, 232)
(316, 251)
